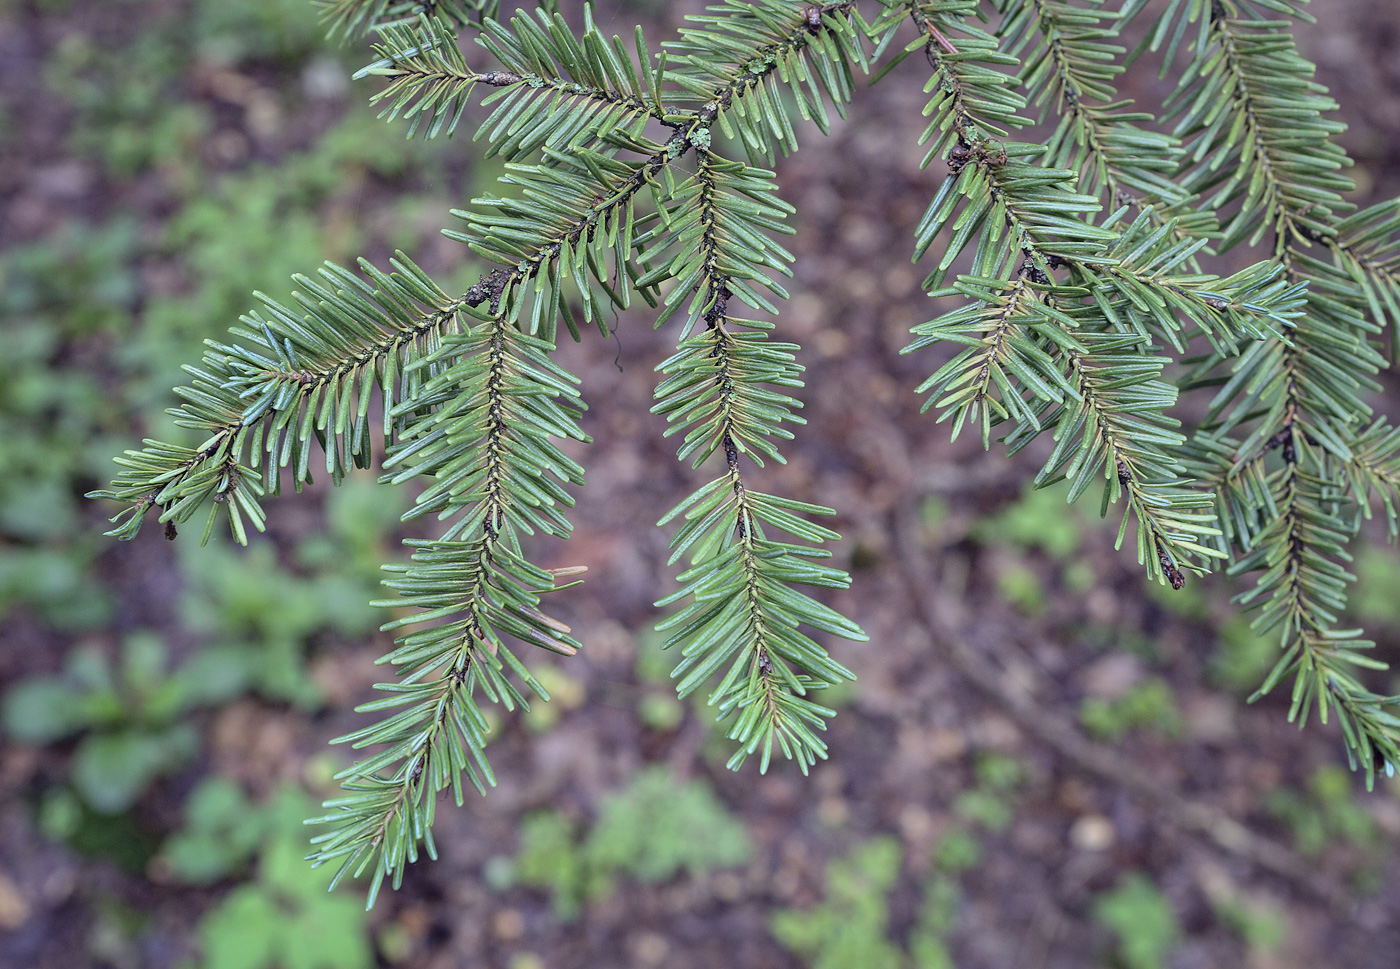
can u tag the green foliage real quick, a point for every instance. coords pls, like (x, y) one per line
(1262, 926)
(1325, 813)
(284, 918)
(565, 693)
(124, 115)
(131, 715)
(1142, 921)
(550, 858)
(345, 19)
(656, 828)
(222, 831)
(1040, 519)
(231, 236)
(1377, 596)
(989, 803)
(999, 773)
(653, 830)
(123, 839)
(261, 615)
(1149, 705)
(55, 423)
(1072, 270)
(851, 924)
(280, 30)
(658, 706)
(848, 927)
(928, 946)
(78, 282)
(1242, 656)
(957, 851)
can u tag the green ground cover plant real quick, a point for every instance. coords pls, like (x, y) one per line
(851, 925)
(75, 370)
(1069, 251)
(1323, 813)
(132, 716)
(1142, 921)
(1149, 705)
(656, 828)
(284, 918)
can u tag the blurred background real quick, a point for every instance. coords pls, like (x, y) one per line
(166, 708)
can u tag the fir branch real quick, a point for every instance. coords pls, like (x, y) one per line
(573, 222)
(974, 101)
(1034, 362)
(727, 71)
(1006, 204)
(594, 87)
(1064, 316)
(1001, 327)
(351, 18)
(1299, 545)
(1243, 494)
(1119, 415)
(558, 91)
(347, 19)
(429, 80)
(1260, 142)
(495, 409)
(259, 402)
(1300, 593)
(1073, 69)
(1009, 207)
(717, 223)
(1030, 346)
(488, 445)
(1366, 250)
(1255, 132)
(743, 610)
(1374, 473)
(1140, 287)
(439, 731)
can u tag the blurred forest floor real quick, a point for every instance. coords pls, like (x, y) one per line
(1043, 763)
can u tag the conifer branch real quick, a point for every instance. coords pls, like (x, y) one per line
(1007, 204)
(1299, 545)
(347, 19)
(494, 410)
(1259, 141)
(573, 218)
(483, 422)
(1145, 285)
(743, 610)
(1073, 68)
(1125, 438)
(974, 101)
(559, 92)
(1080, 284)
(1031, 343)
(1366, 251)
(716, 223)
(728, 70)
(1374, 473)
(1255, 131)
(260, 402)
(1301, 593)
